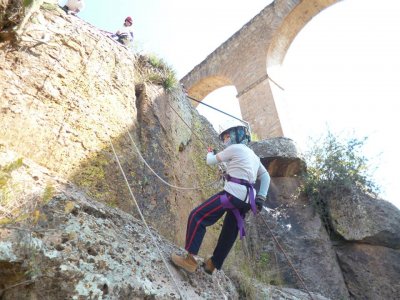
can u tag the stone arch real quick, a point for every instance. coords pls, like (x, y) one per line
(224, 105)
(207, 85)
(243, 61)
(291, 26)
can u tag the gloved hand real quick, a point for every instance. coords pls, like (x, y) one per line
(260, 202)
(211, 158)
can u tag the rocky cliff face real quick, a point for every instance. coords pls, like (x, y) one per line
(69, 246)
(67, 101)
(75, 108)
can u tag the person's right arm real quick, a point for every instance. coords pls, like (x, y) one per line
(212, 158)
(222, 156)
(265, 181)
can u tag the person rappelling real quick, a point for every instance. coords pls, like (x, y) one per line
(243, 168)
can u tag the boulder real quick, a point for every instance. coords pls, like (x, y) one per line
(301, 234)
(371, 272)
(279, 156)
(358, 216)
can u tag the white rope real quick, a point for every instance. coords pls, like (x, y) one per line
(173, 186)
(161, 179)
(133, 197)
(143, 219)
(137, 205)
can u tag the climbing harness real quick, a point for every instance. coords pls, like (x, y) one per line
(250, 190)
(239, 219)
(228, 205)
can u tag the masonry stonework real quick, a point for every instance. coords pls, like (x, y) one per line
(243, 61)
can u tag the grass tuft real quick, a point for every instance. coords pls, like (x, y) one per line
(154, 70)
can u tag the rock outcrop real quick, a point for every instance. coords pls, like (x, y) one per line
(280, 156)
(71, 247)
(70, 102)
(360, 217)
(301, 234)
(65, 245)
(369, 254)
(370, 272)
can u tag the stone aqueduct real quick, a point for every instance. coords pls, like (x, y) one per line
(244, 59)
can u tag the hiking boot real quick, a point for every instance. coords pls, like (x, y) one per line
(209, 266)
(187, 262)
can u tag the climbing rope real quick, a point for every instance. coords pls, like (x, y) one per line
(134, 201)
(137, 205)
(188, 126)
(216, 109)
(221, 170)
(143, 219)
(269, 229)
(216, 280)
(287, 258)
(274, 82)
(161, 179)
(130, 190)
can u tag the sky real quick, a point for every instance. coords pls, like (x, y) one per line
(340, 72)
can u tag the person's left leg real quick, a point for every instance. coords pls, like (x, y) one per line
(202, 216)
(228, 235)
(226, 240)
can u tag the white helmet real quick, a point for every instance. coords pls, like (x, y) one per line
(239, 131)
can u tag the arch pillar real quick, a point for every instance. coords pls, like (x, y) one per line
(258, 108)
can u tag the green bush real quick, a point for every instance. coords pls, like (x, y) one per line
(155, 70)
(156, 62)
(336, 166)
(170, 82)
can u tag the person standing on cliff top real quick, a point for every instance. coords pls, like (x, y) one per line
(74, 6)
(125, 34)
(243, 167)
